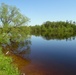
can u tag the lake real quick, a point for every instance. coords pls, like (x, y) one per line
(40, 56)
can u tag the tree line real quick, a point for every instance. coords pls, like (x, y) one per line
(59, 29)
(13, 23)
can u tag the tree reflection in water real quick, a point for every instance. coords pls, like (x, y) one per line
(47, 63)
(19, 51)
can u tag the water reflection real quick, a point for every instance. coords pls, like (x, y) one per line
(37, 56)
(19, 48)
(19, 52)
(56, 36)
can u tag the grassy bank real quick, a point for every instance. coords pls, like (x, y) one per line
(6, 68)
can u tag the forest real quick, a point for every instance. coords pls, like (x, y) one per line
(55, 30)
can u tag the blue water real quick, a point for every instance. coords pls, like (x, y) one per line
(57, 56)
(47, 57)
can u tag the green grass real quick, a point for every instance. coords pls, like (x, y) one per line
(6, 68)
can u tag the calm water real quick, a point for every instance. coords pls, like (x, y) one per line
(45, 57)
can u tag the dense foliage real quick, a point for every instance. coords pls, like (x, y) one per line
(11, 16)
(12, 24)
(55, 30)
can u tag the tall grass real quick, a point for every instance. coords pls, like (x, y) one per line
(6, 68)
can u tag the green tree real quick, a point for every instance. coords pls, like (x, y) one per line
(11, 16)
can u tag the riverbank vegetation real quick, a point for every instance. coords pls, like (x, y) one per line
(55, 30)
(12, 24)
(6, 68)
(12, 29)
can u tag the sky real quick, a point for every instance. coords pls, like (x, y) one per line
(40, 11)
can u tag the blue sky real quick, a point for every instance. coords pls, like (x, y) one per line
(40, 11)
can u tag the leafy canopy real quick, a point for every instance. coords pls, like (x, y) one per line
(11, 16)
